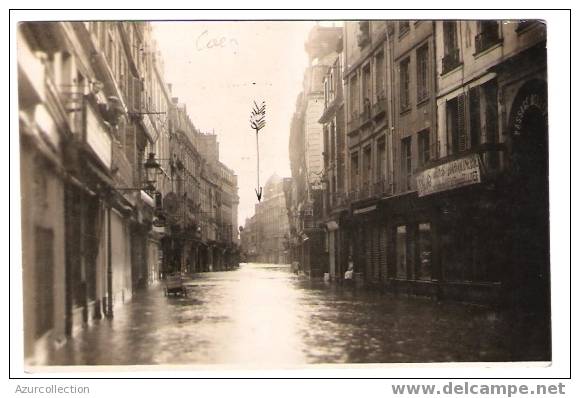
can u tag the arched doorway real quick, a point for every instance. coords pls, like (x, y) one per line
(529, 208)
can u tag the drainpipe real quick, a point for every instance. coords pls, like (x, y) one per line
(391, 112)
(109, 265)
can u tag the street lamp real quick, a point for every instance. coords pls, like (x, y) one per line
(151, 168)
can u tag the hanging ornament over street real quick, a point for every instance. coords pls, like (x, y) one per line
(258, 122)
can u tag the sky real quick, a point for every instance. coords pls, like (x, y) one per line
(218, 69)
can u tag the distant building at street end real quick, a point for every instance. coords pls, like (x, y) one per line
(265, 237)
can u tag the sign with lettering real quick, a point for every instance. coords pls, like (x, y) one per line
(365, 209)
(451, 175)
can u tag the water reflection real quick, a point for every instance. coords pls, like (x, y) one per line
(265, 315)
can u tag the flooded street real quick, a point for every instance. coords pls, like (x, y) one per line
(265, 315)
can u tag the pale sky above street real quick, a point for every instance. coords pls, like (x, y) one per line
(219, 68)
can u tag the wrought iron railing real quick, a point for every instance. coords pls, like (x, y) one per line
(450, 61)
(486, 39)
(379, 107)
(353, 122)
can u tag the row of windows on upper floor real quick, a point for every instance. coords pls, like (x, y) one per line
(361, 96)
(471, 119)
(404, 27)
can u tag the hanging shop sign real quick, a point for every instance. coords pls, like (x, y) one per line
(451, 175)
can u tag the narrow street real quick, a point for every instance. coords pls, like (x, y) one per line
(265, 315)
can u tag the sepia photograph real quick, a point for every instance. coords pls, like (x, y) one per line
(283, 193)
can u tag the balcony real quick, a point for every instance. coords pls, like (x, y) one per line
(365, 115)
(366, 191)
(379, 107)
(486, 39)
(353, 123)
(381, 188)
(450, 61)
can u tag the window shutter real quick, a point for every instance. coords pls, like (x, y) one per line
(136, 94)
(461, 130)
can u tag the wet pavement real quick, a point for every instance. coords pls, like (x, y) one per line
(265, 315)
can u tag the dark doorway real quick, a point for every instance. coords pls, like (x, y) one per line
(530, 297)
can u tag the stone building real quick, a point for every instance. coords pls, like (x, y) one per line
(104, 148)
(446, 189)
(306, 154)
(265, 236)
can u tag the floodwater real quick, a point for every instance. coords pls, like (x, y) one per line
(266, 316)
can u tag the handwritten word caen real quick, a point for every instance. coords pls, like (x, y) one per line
(205, 42)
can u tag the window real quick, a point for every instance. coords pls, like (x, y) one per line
(425, 251)
(456, 133)
(366, 165)
(366, 82)
(424, 147)
(354, 96)
(451, 52)
(354, 171)
(403, 28)
(406, 162)
(381, 160)
(379, 76)
(401, 248)
(332, 142)
(487, 36)
(422, 72)
(474, 117)
(491, 110)
(404, 84)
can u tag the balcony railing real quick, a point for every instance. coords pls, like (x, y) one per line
(486, 39)
(381, 188)
(379, 107)
(353, 123)
(451, 60)
(365, 116)
(368, 190)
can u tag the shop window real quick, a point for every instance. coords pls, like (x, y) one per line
(425, 251)
(401, 249)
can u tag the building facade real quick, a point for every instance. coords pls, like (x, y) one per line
(445, 141)
(306, 155)
(104, 148)
(265, 237)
